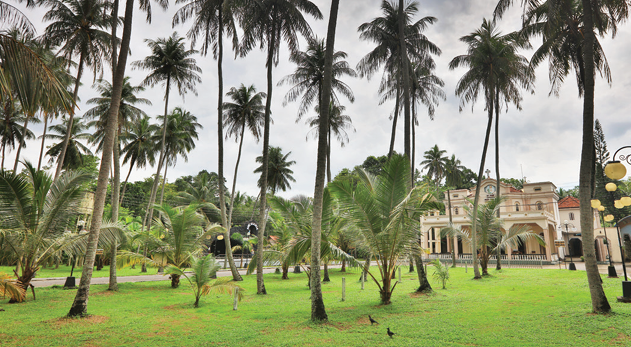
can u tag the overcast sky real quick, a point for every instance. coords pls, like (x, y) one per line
(543, 139)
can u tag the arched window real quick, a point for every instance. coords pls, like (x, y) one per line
(516, 207)
(571, 215)
(539, 205)
(456, 210)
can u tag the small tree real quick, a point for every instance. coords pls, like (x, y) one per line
(204, 269)
(441, 272)
(10, 287)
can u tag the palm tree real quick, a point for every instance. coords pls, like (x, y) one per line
(308, 78)
(246, 111)
(180, 135)
(203, 270)
(453, 178)
(586, 57)
(204, 194)
(169, 62)
(279, 174)
(338, 124)
(11, 129)
(139, 147)
(75, 150)
(35, 210)
(268, 22)
(211, 17)
(79, 27)
(386, 213)
(392, 47)
(435, 162)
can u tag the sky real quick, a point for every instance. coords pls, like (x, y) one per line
(541, 142)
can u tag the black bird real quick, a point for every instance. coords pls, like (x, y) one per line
(372, 321)
(390, 333)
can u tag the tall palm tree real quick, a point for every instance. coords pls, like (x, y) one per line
(487, 70)
(139, 147)
(453, 178)
(245, 111)
(168, 63)
(384, 31)
(308, 78)
(211, 17)
(79, 28)
(11, 128)
(75, 149)
(338, 124)
(279, 174)
(435, 162)
(600, 16)
(268, 23)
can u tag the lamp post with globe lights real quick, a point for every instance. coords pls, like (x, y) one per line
(611, 270)
(568, 227)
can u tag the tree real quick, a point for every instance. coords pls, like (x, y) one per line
(35, 210)
(279, 174)
(75, 149)
(394, 51)
(168, 63)
(453, 177)
(79, 27)
(570, 40)
(203, 270)
(246, 111)
(211, 17)
(268, 22)
(386, 213)
(139, 147)
(435, 162)
(11, 129)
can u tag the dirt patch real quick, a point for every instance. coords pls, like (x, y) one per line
(89, 320)
(338, 325)
(620, 338)
(103, 293)
(418, 295)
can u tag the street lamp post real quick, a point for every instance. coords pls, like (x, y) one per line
(569, 226)
(611, 270)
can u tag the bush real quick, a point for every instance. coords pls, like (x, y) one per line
(441, 272)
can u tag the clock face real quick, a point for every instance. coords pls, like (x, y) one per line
(490, 189)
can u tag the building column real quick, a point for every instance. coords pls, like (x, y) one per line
(456, 246)
(509, 252)
(549, 244)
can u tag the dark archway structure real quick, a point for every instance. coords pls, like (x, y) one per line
(217, 245)
(576, 247)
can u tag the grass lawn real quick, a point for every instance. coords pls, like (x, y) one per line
(64, 271)
(515, 307)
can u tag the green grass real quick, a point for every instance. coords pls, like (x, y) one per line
(516, 307)
(64, 271)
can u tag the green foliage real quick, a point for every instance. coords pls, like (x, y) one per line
(515, 182)
(441, 272)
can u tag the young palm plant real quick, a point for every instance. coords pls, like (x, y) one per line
(386, 213)
(203, 270)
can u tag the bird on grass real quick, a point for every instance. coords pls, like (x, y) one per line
(390, 333)
(372, 321)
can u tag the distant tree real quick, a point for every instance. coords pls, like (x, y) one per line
(515, 182)
(278, 174)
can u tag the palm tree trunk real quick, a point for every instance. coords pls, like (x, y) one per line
(222, 198)
(234, 179)
(131, 166)
(476, 201)
(406, 88)
(41, 150)
(600, 304)
(394, 121)
(318, 311)
(154, 187)
(164, 182)
(17, 155)
(260, 284)
(64, 147)
(413, 125)
(3, 155)
(80, 305)
(113, 282)
(498, 263)
(328, 155)
(423, 283)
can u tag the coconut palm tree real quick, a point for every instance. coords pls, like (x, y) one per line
(75, 150)
(11, 128)
(308, 77)
(79, 27)
(34, 211)
(279, 174)
(338, 124)
(245, 111)
(203, 193)
(385, 33)
(453, 178)
(168, 63)
(434, 163)
(139, 147)
(203, 270)
(268, 23)
(211, 17)
(386, 213)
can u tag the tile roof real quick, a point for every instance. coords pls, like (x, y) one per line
(569, 202)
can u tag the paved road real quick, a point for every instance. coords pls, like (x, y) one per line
(47, 282)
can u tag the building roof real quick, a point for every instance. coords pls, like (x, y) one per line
(569, 202)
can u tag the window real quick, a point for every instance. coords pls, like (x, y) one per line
(456, 210)
(516, 207)
(539, 205)
(537, 189)
(455, 195)
(571, 215)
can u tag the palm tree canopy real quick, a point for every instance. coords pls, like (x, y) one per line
(435, 163)
(170, 62)
(181, 134)
(12, 126)
(279, 174)
(140, 147)
(76, 150)
(339, 123)
(245, 111)
(309, 75)
(453, 172)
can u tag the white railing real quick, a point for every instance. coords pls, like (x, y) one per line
(529, 257)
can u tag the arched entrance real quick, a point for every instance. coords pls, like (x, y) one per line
(576, 247)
